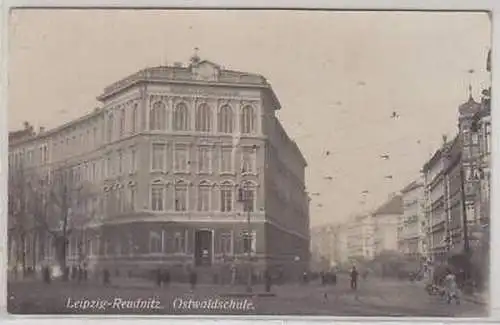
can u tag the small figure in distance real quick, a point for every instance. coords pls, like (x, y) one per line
(354, 278)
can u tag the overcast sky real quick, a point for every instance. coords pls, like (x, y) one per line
(338, 75)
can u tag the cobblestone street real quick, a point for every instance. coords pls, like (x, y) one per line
(374, 297)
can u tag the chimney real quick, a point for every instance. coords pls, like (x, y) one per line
(445, 139)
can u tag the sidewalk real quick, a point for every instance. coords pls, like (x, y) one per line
(477, 298)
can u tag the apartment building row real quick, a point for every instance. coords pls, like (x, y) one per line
(361, 238)
(457, 184)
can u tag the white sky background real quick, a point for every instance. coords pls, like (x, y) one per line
(338, 75)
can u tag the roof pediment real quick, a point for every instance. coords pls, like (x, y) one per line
(206, 71)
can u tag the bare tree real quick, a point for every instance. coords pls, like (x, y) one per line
(59, 205)
(19, 223)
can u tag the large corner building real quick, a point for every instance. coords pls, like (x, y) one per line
(169, 152)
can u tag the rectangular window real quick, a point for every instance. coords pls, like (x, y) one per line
(131, 198)
(181, 199)
(179, 246)
(225, 243)
(248, 161)
(154, 242)
(133, 122)
(120, 200)
(120, 162)
(45, 154)
(41, 157)
(133, 160)
(94, 136)
(249, 201)
(29, 157)
(158, 156)
(226, 163)
(181, 159)
(203, 159)
(226, 204)
(86, 171)
(109, 166)
(122, 122)
(204, 198)
(94, 171)
(157, 198)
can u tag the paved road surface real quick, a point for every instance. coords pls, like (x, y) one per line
(374, 297)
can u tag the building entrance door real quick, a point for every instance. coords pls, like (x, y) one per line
(203, 247)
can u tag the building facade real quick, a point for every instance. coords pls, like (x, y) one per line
(188, 166)
(412, 232)
(360, 238)
(435, 204)
(386, 220)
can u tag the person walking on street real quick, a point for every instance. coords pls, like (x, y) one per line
(193, 278)
(268, 280)
(354, 278)
(451, 288)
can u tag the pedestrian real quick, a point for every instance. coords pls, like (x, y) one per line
(159, 279)
(233, 275)
(305, 278)
(46, 274)
(193, 278)
(106, 277)
(268, 280)
(166, 277)
(79, 273)
(322, 275)
(354, 278)
(451, 288)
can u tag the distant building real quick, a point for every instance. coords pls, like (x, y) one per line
(385, 221)
(453, 178)
(360, 237)
(435, 203)
(169, 155)
(412, 235)
(328, 246)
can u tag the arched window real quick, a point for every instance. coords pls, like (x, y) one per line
(203, 203)
(247, 196)
(109, 131)
(247, 119)
(225, 119)
(157, 196)
(203, 120)
(157, 116)
(133, 120)
(181, 196)
(122, 122)
(181, 121)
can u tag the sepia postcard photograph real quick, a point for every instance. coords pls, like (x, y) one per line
(249, 162)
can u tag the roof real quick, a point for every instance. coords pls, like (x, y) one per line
(82, 119)
(20, 134)
(216, 76)
(469, 107)
(412, 186)
(393, 206)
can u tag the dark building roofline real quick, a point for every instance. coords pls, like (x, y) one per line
(469, 107)
(392, 206)
(413, 185)
(59, 128)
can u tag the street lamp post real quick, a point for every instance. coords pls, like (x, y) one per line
(244, 199)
